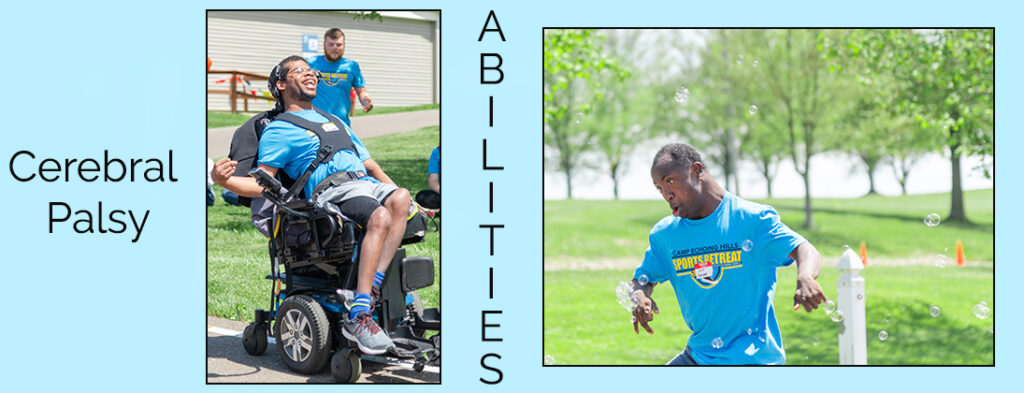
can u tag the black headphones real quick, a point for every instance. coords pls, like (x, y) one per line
(275, 75)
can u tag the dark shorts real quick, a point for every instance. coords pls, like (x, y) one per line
(359, 209)
(682, 359)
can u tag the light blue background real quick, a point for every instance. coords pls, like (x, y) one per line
(90, 312)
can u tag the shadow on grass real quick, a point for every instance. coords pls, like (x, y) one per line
(913, 337)
(970, 226)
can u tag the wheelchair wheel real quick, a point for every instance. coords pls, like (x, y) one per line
(302, 335)
(346, 366)
(254, 339)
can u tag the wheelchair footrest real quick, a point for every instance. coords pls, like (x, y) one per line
(431, 319)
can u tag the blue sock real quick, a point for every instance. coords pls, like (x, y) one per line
(360, 304)
(377, 279)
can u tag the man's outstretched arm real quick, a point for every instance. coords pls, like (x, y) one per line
(808, 264)
(223, 174)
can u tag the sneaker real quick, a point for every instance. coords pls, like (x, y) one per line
(370, 338)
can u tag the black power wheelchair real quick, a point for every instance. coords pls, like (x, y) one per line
(314, 265)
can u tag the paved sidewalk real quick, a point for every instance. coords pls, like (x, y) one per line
(227, 362)
(218, 140)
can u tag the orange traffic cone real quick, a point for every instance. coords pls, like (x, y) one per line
(960, 253)
(864, 253)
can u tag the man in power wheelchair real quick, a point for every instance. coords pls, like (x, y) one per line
(337, 244)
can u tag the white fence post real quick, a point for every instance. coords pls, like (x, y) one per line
(850, 300)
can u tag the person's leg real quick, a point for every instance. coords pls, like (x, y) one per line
(682, 359)
(397, 205)
(373, 247)
(375, 220)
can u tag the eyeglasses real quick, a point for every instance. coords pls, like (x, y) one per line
(302, 71)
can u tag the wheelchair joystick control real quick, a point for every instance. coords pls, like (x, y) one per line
(269, 183)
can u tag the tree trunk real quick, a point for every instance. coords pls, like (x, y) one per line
(808, 211)
(766, 171)
(615, 179)
(871, 175)
(568, 180)
(956, 210)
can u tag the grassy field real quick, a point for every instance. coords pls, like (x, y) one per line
(237, 258)
(892, 227)
(216, 119)
(583, 324)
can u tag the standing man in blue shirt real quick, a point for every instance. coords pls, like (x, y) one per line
(340, 75)
(720, 253)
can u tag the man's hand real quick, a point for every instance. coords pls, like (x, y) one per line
(222, 170)
(808, 294)
(644, 312)
(366, 102)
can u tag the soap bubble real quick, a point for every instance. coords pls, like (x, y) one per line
(837, 316)
(682, 94)
(549, 360)
(624, 294)
(579, 117)
(982, 311)
(752, 110)
(750, 331)
(739, 60)
(717, 343)
(829, 306)
(747, 245)
(935, 311)
(888, 318)
(643, 280)
(941, 261)
(755, 63)
(882, 335)
(932, 219)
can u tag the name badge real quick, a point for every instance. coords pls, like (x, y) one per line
(328, 127)
(703, 270)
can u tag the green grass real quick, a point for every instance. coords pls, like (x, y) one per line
(216, 119)
(237, 259)
(892, 227)
(583, 323)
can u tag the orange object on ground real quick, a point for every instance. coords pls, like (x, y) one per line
(960, 260)
(864, 253)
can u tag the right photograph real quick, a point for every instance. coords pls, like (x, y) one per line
(799, 197)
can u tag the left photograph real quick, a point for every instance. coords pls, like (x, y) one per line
(323, 196)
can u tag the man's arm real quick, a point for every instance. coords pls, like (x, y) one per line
(808, 264)
(375, 170)
(364, 99)
(223, 174)
(435, 182)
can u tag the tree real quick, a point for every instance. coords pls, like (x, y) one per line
(945, 78)
(571, 58)
(807, 93)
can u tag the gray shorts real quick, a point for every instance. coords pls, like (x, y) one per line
(356, 188)
(355, 199)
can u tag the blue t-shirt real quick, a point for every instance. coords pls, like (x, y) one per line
(339, 77)
(288, 147)
(725, 288)
(434, 165)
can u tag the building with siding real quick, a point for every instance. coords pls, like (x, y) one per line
(399, 55)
